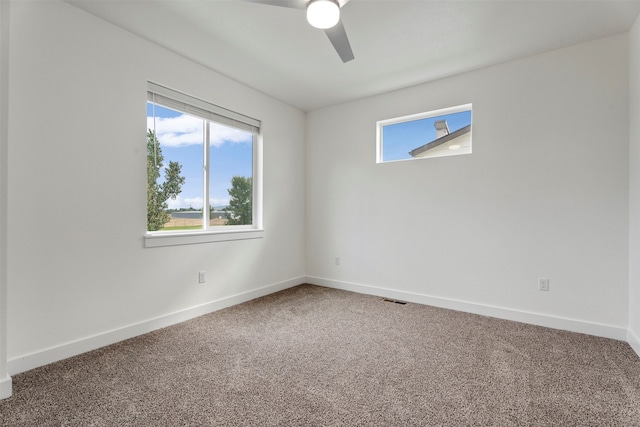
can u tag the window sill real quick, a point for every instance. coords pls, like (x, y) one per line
(157, 239)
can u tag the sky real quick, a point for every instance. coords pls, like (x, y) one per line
(400, 138)
(181, 139)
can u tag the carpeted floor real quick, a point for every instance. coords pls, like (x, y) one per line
(312, 356)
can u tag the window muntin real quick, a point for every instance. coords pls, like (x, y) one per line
(214, 147)
(445, 132)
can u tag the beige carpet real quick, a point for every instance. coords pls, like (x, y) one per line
(311, 356)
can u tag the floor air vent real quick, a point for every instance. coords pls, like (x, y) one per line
(394, 301)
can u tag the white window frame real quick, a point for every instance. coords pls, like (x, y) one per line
(211, 113)
(380, 124)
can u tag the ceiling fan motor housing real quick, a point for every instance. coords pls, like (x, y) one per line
(323, 14)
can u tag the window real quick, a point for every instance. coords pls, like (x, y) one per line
(445, 132)
(203, 171)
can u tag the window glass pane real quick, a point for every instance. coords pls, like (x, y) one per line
(231, 175)
(437, 136)
(175, 198)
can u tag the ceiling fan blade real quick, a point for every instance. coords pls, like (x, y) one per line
(294, 4)
(338, 37)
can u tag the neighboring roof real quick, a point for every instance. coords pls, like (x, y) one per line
(440, 141)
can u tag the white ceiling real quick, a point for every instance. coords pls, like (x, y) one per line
(396, 43)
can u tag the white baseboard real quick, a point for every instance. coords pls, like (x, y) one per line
(589, 328)
(633, 341)
(63, 351)
(5, 387)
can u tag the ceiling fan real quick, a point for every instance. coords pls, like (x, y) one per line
(322, 14)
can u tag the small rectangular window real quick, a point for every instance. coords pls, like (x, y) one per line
(445, 132)
(202, 166)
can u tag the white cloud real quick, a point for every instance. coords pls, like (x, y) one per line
(219, 134)
(219, 202)
(180, 202)
(177, 131)
(186, 130)
(194, 202)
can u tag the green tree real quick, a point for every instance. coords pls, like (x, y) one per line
(239, 211)
(158, 194)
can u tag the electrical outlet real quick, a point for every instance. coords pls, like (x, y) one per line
(337, 261)
(202, 277)
(543, 284)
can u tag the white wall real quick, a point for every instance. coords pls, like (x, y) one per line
(544, 194)
(5, 380)
(78, 273)
(634, 187)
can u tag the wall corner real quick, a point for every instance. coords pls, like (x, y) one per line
(5, 380)
(634, 188)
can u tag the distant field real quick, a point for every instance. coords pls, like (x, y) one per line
(190, 223)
